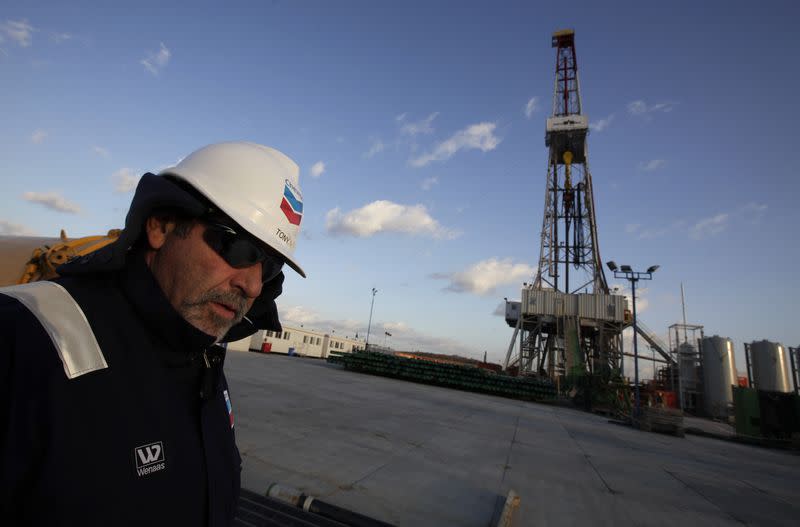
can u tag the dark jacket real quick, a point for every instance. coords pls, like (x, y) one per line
(147, 441)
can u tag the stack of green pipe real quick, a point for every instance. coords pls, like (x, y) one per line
(455, 376)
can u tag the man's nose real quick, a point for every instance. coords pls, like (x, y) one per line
(248, 280)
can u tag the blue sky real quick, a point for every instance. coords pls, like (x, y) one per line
(422, 156)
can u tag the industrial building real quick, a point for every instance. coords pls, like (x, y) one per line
(299, 341)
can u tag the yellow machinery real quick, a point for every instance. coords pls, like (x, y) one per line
(28, 259)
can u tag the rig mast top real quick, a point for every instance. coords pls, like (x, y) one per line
(566, 129)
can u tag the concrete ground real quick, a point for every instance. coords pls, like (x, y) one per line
(417, 455)
(709, 427)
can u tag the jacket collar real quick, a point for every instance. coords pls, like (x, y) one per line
(150, 303)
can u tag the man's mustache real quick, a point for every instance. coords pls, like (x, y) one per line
(232, 299)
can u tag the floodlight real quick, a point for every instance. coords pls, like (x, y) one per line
(612, 265)
(653, 268)
(626, 269)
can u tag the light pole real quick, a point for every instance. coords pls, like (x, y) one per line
(369, 325)
(632, 276)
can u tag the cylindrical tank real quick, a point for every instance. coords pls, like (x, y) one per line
(770, 366)
(719, 375)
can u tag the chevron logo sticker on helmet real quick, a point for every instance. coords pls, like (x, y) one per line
(292, 204)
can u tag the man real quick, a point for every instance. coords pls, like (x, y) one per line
(114, 409)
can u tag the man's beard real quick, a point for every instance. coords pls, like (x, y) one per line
(197, 312)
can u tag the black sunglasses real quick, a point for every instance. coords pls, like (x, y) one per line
(240, 250)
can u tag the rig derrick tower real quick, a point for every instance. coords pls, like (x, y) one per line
(567, 323)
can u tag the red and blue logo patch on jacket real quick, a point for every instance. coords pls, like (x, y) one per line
(292, 204)
(228, 405)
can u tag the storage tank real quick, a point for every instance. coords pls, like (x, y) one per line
(770, 366)
(719, 375)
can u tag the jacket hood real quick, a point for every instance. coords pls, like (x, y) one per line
(158, 192)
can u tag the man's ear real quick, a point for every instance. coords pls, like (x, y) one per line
(157, 231)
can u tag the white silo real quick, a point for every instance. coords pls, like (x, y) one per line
(719, 375)
(770, 366)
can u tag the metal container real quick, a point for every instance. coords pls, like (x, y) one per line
(512, 312)
(548, 301)
(556, 303)
(532, 302)
(565, 305)
(719, 375)
(571, 305)
(747, 412)
(770, 367)
(601, 307)
(619, 308)
(538, 301)
(586, 306)
(687, 366)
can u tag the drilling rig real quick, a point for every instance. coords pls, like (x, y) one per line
(567, 326)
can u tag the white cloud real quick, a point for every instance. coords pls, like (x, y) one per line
(59, 38)
(531, 106)
(396, 327)
(102, 152)
(317, 169)
(420, 127)
(653, 164)
(642, 109)
(642, 302)
(704, 227)
(637, 108)
(386, 216)
(400, 118)
(756, 208)
(15, 229)
(753, 211)
(477, 136)
(709, 226)
(484, 277)
(51, 200)
(299, 315)
(647, 233)
(601, 124)
(125, 180)
(38, 136)
(155, 62)
(427, 183)
(19, 31)
(376, 148)
(309, 318)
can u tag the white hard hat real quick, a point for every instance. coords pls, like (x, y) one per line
(257, 186)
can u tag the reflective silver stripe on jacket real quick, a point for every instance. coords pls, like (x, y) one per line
(64, 321)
